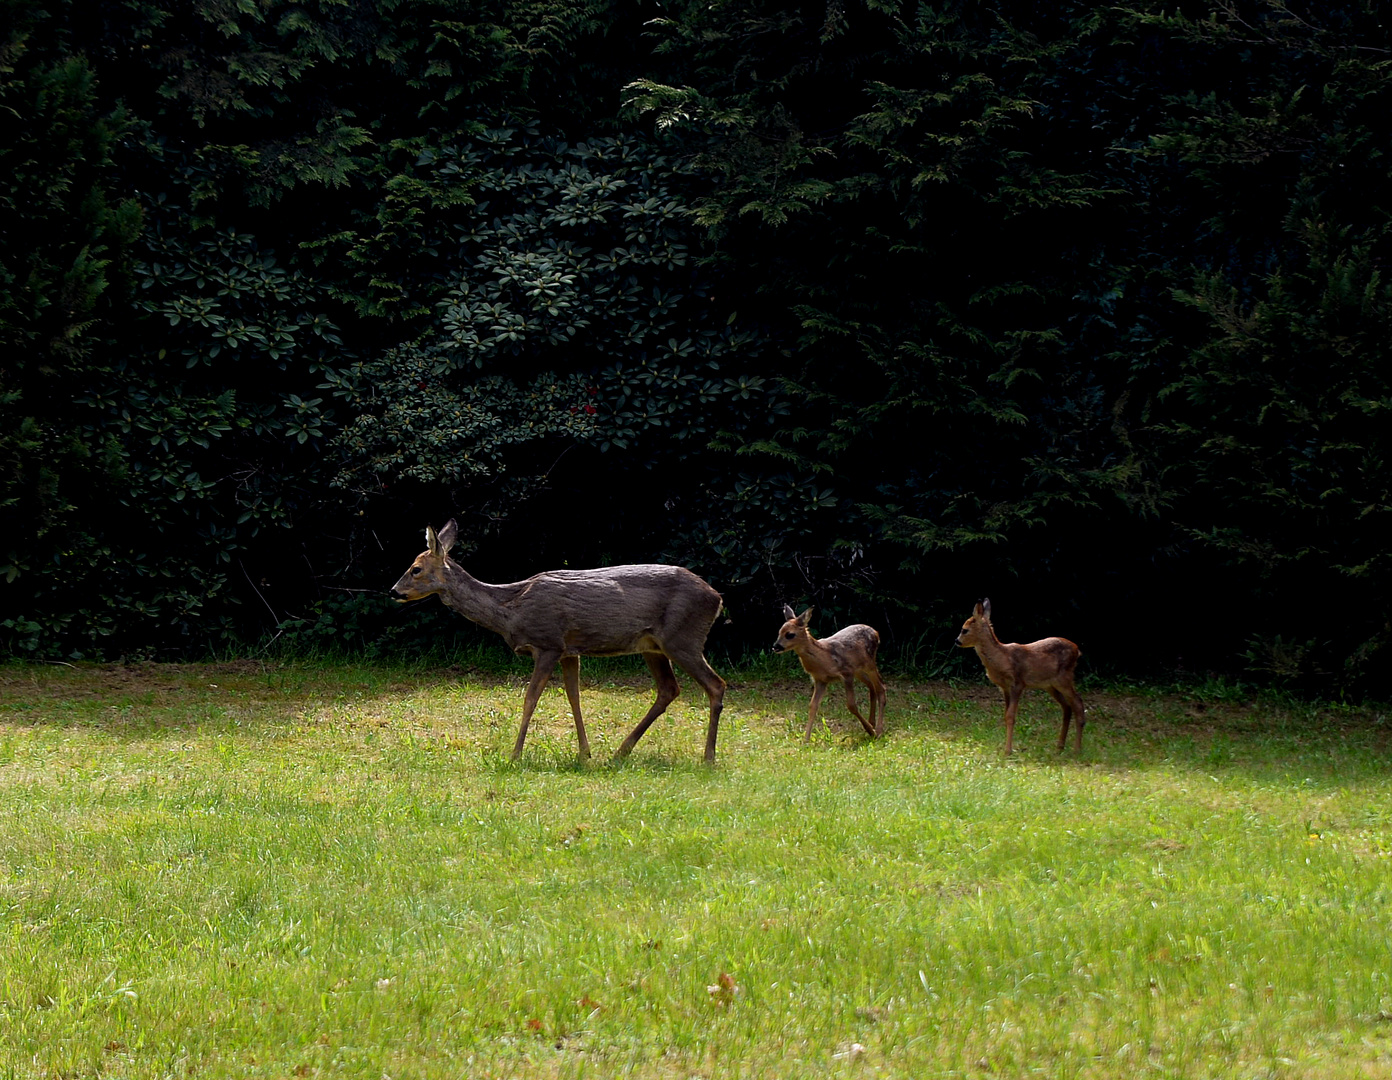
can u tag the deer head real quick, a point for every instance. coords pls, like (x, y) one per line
(977, 629)
(426, 576)
(793, 631)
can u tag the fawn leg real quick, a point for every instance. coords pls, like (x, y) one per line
(1078, 715)
(818, 689)
(1067, 707)
(851, 704)
(570, 672)
(884, 698)
(1012, 706)
(871, 678)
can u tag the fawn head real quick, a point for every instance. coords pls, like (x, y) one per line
(977, 629)
(793, 631)
(426, 575)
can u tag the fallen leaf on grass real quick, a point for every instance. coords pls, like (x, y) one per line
(724, 990)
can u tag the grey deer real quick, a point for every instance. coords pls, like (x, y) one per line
(1047, 664)
(662, 612)
(847, 655)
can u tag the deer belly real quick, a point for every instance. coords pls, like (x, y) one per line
(600, 643)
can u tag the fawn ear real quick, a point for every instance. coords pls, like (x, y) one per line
(986, 609)
(432, 542)
(448, 535)
(789, 613)
(805, 617)
(976, 611)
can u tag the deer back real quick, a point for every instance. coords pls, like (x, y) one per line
(611, 611)
(852, 648)
(1045, 662)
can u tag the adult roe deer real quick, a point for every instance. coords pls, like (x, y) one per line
(847, 655)
(1047, 664)
(662, 612)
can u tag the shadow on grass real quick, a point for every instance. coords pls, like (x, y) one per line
(1214, 727)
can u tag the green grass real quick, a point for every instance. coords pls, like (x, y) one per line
(334, 870)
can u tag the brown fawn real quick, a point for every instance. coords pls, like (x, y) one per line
(662, 612)
(1047, 664)
(847, 655)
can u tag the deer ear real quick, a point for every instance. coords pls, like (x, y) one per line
(448, 535)
(432, 542)
(789, 613)
(805, 617)
(976, 611)
(986, 609)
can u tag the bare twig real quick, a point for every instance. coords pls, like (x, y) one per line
(274, 617)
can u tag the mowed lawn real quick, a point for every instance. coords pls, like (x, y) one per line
(278, 870)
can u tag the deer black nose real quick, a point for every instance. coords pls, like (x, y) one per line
(395, 595)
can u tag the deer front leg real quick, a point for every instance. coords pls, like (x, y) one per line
(818, 689)
(868, 725)
(541, 674)
(667, 690)
(1012, 706)
(570, 672)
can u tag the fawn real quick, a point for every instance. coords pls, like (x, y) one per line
(1047, 664)
(847, 655)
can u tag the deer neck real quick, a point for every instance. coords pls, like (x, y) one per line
(475, 600)
(811, 653)
(990, 647)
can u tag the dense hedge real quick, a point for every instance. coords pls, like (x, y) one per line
(874, 306)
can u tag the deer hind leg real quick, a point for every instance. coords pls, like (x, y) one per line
(1078, 714)
(667, 690)
(570, 672)
(868, 725)
(871, 678)
(714, 686)
(541, 674)
(1067, 707)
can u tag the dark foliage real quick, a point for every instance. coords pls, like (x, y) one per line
(874, 306)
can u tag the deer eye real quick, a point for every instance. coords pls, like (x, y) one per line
(415, 570)
(790, 634)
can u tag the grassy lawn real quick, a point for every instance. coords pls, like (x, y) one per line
(333, 870)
